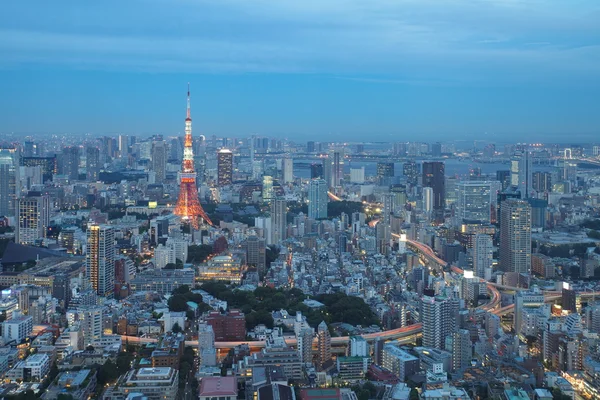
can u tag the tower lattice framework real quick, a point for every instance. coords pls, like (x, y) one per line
(188, 205)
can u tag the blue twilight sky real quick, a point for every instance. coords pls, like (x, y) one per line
(522, 70)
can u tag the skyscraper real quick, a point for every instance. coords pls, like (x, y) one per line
(287, 168)
(482, 256)
(92, 163)
(433, 177)
(70, 162)
(267, 188)
(224, 167)
(428, 200)
(521, 169)
(475, 200)
(100, 259)
(278, 220)
(33, 218)
(439, 317)
(462, 349)
(9, 181)
(323, 344)
(515, 236)
(188, 204)
(337, 168)
(317, 199)
(305, 341)
(410, 170)
(385, 170)
(316, 170)
(159, 160)
(256, 252)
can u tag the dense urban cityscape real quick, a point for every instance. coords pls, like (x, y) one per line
(220, 268)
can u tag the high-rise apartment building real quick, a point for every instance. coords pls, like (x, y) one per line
(434, 177)
(224, 167)
(305, 341)
(317, 199)
(278, 220)
(159, 160)
(323, 344)
(267, 188)
(33, 218)
(100, 259)
(515, 236)
(287, 169)
(428, 200)
(482, 256)
(439, 316)
(385, 170)
(92, 163)
(337, 168)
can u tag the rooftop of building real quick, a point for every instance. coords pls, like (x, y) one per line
(218, 386)
(320, 394)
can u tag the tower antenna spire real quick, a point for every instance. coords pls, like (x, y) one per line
(189, 112)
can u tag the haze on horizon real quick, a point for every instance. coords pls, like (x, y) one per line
(520, 70)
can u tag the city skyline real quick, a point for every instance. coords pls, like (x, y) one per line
(389, 70)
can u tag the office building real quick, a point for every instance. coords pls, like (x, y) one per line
(49, 165)
(337, 168)
(411, 171)
(227, 327)
(17, 328)
(256, 251)
(100, 259)
(541, 182)
(159, 160)
(526, 299)
(267, 188)
(428, 200)
(323, 345)
(476, 200)
(221, 268)
(224, 167)
(515, 236)
(483, 250)
(162, 281)
(92, 163)
(439, 317)
(521, 170)
(220, 387)
(10, 184)
(70, 158)
(33, 218)
(278, 220)
(357, 175)
(287, 170)
(570, 301)
(434, 177)
(399, 362)
(35, 368)
(436, 149)
(151, 383)
(316, 171)
(385, 171)
(317, 199)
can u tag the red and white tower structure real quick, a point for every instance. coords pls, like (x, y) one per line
(188, 205)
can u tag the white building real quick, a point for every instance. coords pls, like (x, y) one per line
(172, 318)
(288, 170)
(317, 199)
(34, 368)
(17, 328)
(357, 175)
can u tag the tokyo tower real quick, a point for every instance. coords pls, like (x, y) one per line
(188, 206)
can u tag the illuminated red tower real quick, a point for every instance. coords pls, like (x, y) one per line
(188, 206)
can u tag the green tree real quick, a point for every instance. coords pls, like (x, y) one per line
(177, 303)
(63, 396)
(414, 394)
(176, 328)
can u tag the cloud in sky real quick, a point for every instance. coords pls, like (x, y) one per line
(415, 37)
(451, 45)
